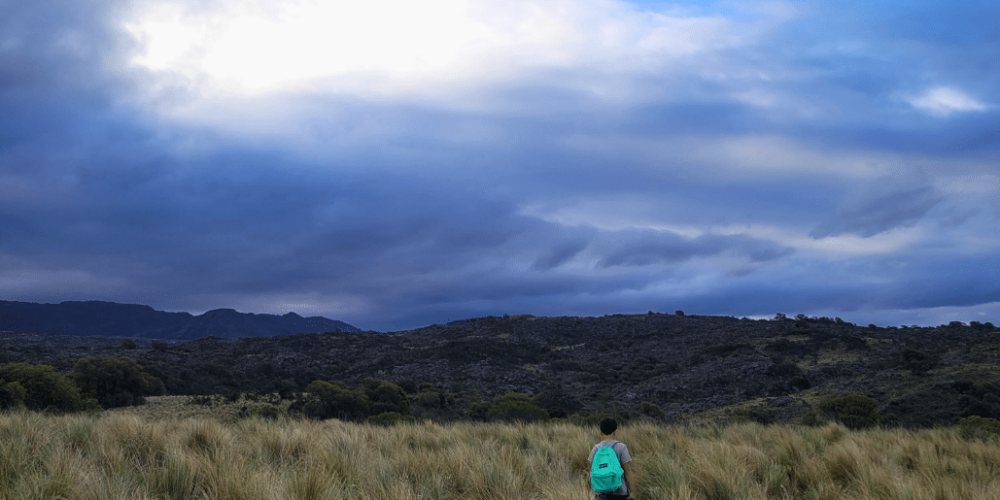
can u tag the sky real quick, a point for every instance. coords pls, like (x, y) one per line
(396, 164)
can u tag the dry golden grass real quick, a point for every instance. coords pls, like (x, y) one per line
(117, 455)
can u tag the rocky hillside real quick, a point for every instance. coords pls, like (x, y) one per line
(768, 370)
(108, 319)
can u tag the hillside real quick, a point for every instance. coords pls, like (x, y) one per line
(767, 370)
(109, 319)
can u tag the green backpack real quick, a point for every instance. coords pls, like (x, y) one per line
(605, 471)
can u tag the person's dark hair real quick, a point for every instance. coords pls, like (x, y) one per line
(608, 426)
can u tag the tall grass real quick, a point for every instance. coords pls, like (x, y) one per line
(120, 456)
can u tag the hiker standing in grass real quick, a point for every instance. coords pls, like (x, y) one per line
(609, 465)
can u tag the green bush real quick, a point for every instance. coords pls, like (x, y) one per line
(855, 411)
(557, 401)
(759, 415)
(811, 418)
(430, 399)
(512, 406)
(115, 382)
(335, 400)
(917, 362)
(12, 394)
(386, 397)
(267, 411)
(979, 427)
(479, 410)
(41, 388)
(389, 418)
(652, 409)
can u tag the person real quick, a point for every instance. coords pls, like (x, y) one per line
(608, 428)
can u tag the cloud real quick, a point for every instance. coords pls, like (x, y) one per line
(398, 46)
(876, 211)
(944, 101)
(646, 248)
(553, 157)
(559, 254)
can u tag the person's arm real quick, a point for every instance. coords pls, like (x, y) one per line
(627, 476)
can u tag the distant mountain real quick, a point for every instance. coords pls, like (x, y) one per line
(109, 319)
(666, 366)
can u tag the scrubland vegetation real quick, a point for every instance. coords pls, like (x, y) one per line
(116, 455)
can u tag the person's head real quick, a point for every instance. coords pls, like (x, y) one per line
(608, 426)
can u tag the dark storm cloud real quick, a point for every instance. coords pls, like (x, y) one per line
(644, 248)
(559, 254)
(876, 212)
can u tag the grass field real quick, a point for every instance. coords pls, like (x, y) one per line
(129, 456)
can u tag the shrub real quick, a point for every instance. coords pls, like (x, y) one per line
(409, 386)
(509, 407)
(811, 418)
(855, 411)
(758, 415)
(335, 400)
(41, 387)
(917, 362)
(479, 410)
(12, 394)
(266, 411)
(979, 427)
(430, 399)
(515, 407)
(652, 409)
(788, 347)
(786, 377)
(389, 418)
(557, 401)
(115, 382)
(386, 397)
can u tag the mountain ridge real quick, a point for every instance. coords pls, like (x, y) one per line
(95, 318)
(770, 370)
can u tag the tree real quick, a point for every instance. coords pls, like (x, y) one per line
(41, 387)
(115, 382)
(557, 401)
(856, 411)
(12, 394)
